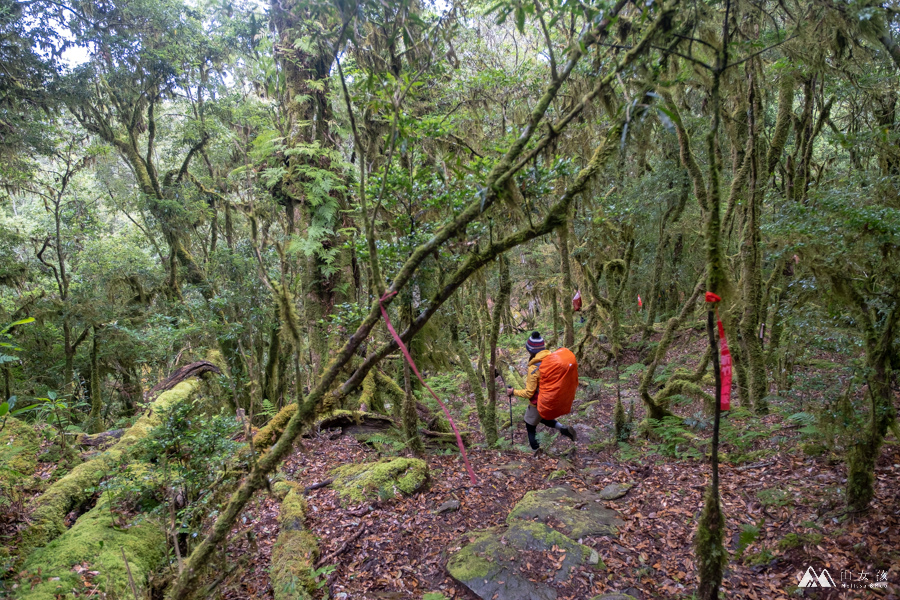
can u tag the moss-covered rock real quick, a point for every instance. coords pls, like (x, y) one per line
(19, 445)
(492, 563)
(94, 542)
(369, 481)
(51, 507)
(575, 514)
(295, 551)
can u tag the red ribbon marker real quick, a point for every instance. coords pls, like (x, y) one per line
(640, 303)
(412, 364)
(724, 357)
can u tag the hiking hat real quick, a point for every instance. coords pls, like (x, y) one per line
(535, 343)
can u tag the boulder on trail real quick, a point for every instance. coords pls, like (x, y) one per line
(536, 551)
(575, 514)
(491, 564)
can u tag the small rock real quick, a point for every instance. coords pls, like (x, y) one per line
(594, 558)
(448, 506)
(615, 490)
(499, 475)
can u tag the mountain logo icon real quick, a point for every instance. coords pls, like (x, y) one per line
(810, 579)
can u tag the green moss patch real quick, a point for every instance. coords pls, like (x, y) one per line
(384, 479)
(575, 514)
(794, 540)
(94, 542)
(19, 445)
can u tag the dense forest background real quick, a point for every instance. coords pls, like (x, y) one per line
(242, 193)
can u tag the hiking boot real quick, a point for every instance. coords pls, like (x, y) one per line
(569, 432)
(538, 453)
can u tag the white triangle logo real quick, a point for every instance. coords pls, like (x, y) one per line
(825, 579)
(810, 579)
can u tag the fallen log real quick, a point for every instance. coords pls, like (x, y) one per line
(76, 488)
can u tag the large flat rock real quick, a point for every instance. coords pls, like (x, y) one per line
(575, 514)
(493, 564)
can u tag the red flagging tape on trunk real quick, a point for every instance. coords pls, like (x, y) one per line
(462, 449)
(724, 357)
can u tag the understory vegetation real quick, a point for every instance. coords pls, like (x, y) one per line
(238, 237)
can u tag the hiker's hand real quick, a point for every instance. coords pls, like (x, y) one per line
(509, 391)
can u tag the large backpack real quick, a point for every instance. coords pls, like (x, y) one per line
(559, 380)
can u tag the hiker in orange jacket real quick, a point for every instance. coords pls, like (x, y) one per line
(537, 352)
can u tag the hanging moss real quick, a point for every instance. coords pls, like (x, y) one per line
(94, 541)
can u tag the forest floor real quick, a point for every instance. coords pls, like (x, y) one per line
(784, 506)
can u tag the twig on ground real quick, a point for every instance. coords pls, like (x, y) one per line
(329, 557)
(758, 465)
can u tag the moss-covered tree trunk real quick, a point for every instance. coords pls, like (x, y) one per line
(489, 425)
(472, 378)
(272, 374)
(880, 354)
(95, 420)
(554, 299)
(708, 544)
(566, 268)
(751, 241)
(410, 416)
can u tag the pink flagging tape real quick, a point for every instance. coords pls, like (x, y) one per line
(462, 449)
